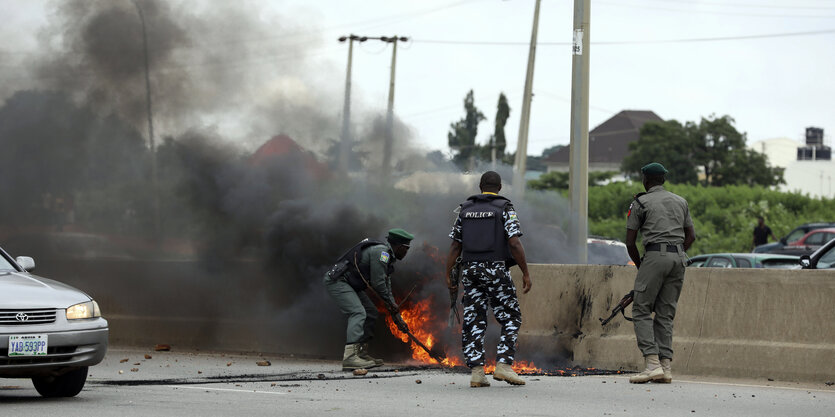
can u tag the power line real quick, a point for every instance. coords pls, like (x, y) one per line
(744, 5)
(647, 42)
(691, 11)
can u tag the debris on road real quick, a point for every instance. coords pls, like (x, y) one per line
(137, 364)
(124, 360)
(121, 372)
(134, 369)
(228, 363)
(417, 381)
(263, 363)
(360, 372)
(320, 376)
(147, 356)
(829, 383)
(162, 348)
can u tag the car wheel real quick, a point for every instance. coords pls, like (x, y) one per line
(66, 385)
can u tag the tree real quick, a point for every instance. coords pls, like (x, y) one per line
(462, 134)
(713, 145)
(667, 143)
(502, 113)
(556, 180)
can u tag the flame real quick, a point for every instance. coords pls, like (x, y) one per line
(419, 317)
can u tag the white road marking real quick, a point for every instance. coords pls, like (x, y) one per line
(226, 389)
(726, 384)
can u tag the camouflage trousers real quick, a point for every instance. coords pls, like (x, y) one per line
(489, 282)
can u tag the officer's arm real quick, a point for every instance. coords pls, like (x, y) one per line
(378, 275)
(689, 237)
(454, 253)
(517, 251)
(632, 247)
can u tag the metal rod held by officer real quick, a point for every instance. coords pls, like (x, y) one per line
(663, 219)
(367, 265)
(486, 236)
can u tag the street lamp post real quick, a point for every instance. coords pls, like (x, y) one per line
(345, 140)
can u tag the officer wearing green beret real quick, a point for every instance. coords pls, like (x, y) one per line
(663, 219)
(370, 263)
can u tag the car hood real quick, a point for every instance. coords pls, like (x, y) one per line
(22, 290)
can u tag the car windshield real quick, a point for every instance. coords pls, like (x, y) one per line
(5, 265)
(827, 260)
(795, 236)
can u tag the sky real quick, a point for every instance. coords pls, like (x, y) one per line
(645, 55)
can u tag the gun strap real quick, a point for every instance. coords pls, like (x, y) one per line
(624, 316)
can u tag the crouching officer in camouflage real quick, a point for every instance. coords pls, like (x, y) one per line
(486, 236)
(663, 219)
(368, 264)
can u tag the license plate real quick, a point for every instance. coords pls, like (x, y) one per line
(27, 345)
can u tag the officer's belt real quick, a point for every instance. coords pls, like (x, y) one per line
(655, 247)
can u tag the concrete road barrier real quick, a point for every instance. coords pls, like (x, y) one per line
(752, 323)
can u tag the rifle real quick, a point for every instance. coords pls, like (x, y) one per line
(454, 279)
(622, 304)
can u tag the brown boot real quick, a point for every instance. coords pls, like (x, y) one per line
(653, 371)
(478, 379)
(351, 361)
(362, 352)
(666, 366)
(505, 372)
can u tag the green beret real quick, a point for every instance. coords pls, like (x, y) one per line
(400, 237)
(654, 169)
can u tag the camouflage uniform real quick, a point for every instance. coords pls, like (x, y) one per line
(489, 282)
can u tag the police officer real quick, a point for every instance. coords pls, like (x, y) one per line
(369, 263)
(663, 219)
(486, 236)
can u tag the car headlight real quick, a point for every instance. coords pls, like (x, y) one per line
(86, 310)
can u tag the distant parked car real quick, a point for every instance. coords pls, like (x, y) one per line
(607, 251)
(744, 260)
(823, 258)
(49, 331)
(792, 237)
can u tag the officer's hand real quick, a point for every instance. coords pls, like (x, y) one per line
(401, 325)
(526, 283)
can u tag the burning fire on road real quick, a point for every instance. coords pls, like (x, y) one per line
(430, 328)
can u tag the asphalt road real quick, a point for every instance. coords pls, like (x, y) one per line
(216, 384)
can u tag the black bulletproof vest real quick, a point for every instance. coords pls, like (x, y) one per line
(349, 265)
(482, 229)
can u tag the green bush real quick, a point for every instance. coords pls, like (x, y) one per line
(724, 217)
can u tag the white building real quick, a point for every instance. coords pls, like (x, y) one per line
(807, 177)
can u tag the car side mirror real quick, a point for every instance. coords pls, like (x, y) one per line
(25, 262)
(784, 241)
(805, 261)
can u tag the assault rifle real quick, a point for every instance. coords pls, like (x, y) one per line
(454, 279)
(622, 304)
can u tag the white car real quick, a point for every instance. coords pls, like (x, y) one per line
(49, 331)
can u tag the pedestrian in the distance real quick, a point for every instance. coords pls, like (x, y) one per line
(486, 236)
(762, 232)
(663, 219)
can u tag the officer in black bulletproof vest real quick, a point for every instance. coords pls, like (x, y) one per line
(486, 236)
(369, 263)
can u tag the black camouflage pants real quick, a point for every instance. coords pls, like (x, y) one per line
(489, 282)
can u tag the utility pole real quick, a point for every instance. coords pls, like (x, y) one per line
(154, 177)
(525, 117)
(345, 140)
(579, 153)
(390, 112)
